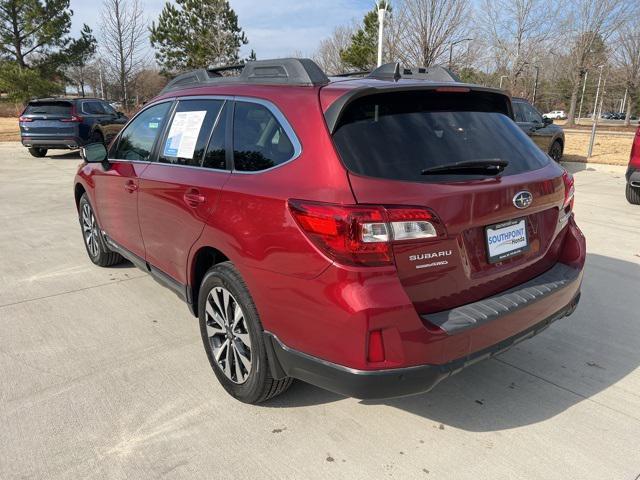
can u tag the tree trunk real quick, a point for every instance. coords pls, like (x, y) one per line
(574, 100)
(627, 117)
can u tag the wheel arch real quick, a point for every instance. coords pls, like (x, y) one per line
(78, 191)
(203, 259)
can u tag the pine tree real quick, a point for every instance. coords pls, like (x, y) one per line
(79, 53)
(196, 34)
(362, 53)
(33, 42)
(30, 29)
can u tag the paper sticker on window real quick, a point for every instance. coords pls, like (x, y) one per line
(153, 125)
(184, 133)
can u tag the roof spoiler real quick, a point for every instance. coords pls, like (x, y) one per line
(284, 71)
(334, 112)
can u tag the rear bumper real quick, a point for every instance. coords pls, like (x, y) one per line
(376, 384)
(52, 143)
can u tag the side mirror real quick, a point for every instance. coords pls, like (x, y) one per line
(547, 121)
(120, 114)
(94, 153)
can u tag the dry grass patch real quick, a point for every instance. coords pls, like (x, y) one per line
(607, 149)
(9, 130)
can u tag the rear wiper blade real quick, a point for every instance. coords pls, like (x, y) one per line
(491, 166)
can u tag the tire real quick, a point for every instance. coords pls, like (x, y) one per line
(555, 151)
(98, 252)
(241, 364)
(633, 195)
(38, 152)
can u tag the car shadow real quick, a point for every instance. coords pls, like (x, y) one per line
(65, 155)
(575, 359)
(575, 163)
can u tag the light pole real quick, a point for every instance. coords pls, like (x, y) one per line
(584, 85)
(382, 9)
(452, 44)
(595, 104)
(597, 114)
(501, 77)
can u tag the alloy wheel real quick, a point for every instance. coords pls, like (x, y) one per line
(90, 230)
(228, 334)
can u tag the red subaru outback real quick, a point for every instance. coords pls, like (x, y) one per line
(371, 236)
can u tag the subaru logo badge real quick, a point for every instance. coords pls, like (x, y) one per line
(522, 199)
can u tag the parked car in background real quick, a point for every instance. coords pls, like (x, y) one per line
(633, 172)
(556, 115)
(371, 236)
(68, 123)
(549, 137)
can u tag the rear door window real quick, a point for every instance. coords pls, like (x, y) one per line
(189, 132)
(216, 155)
(518, 112)
(397, 135)
(531, 114)
(92, 108)
(259, 140)
(48, 108)
(137, 139)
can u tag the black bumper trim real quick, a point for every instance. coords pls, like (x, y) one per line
(633, 176)
(489, 309)
(52, 143)
(377, 384)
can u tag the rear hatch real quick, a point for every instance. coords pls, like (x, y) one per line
(488, 237)
(48, 118)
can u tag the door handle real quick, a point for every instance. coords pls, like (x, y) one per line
(194, 198)
(131, 186)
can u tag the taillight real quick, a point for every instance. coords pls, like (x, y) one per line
(411, 223)
(25, 119)
(361, 235)
(72, 118)
(634, 158)
(569, 190)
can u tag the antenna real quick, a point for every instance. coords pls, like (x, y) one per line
(396, 72)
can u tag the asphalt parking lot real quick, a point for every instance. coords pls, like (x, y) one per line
(104, 375)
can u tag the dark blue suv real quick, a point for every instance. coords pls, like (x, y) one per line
(62, 123)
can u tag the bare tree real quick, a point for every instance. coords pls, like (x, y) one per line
(517, 32)
(423, 29)
(124, 36)
(591, 22)
(328, 53)
(627, 58)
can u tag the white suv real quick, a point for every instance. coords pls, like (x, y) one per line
(556, 114)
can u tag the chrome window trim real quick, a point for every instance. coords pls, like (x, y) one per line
(286, 126)
(282, 120)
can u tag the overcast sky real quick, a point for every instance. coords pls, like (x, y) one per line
(275, 28)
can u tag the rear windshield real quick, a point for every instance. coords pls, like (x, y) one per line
(397, 135)
(48, 108)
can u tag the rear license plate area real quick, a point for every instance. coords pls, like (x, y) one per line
(506, 240)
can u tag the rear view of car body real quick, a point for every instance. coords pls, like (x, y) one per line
(399, 288)
(51, 124)
(413, 229)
